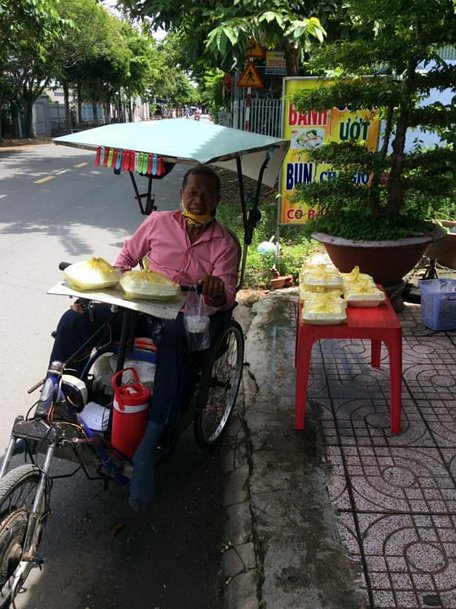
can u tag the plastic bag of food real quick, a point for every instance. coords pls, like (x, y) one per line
(92, 274)
(320, 275)
(324, 308)
(356, 275)
(196, 321)
(148, 284)
(363, 293)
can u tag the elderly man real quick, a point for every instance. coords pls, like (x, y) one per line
(190, 247)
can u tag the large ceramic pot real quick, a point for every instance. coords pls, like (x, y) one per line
(386, 261)
(444, 250)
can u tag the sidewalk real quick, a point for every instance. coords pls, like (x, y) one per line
(342, 515)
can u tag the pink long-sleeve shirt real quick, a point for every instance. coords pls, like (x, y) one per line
(163, 237)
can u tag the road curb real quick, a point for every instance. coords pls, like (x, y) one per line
(239, 561)
(283, 549)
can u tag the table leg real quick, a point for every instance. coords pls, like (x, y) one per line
(376, 351)
(303, 356)
(395, 357)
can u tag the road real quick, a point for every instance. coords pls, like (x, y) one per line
(56, 205)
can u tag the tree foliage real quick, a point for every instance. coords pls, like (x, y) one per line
(80, 46)
(390, 63)
(216, 33)
(30, 31)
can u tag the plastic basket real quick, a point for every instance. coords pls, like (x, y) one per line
(438, 303)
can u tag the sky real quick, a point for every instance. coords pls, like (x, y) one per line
(111, 6)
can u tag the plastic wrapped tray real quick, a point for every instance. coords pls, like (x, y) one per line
(92, 274)
(324, 308)
(324, 281)
(367, 299)
(148, 285)
(323, 320)
(306, 291)
(320, 275)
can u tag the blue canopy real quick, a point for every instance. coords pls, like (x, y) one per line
(187, 141)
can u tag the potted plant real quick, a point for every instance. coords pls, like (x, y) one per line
(389, 62)
(444, 251)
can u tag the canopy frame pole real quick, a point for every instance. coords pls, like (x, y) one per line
(149, 205)
(251, 217)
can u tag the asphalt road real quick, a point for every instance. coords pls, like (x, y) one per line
(56, 205)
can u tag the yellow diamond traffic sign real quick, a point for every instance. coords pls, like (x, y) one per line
(251, 78)
(254, 49)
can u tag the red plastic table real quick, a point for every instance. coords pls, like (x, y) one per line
(377, 324)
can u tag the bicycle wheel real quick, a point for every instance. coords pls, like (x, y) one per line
(219, 385)
(17, 494)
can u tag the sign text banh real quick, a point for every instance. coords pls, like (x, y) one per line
(310, 130)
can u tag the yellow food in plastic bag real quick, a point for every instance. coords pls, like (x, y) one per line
(147, 284)
(363, 293)
(324, 308)
(305, 289)
(325, 303)
(354, 275)
(363, 286)
(92, 274)
(320, 274)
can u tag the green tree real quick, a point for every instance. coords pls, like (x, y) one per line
(145, 67)
(89, 40)
(216, 33)
(30, 30)
(106, 59)
(174, 83)
(212, 90)
(390, 63)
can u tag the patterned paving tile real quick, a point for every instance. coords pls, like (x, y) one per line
(399, 480)
(449, 456)
(362, 422)
(409, 560)
(396, 495)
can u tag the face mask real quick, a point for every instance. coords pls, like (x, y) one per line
(195, 219)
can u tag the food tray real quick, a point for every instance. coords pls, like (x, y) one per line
(349, 278)
(323, 321)
(306, 292)
(369, 299)
(320, 275)
(148, 285)
(149, 296)
(321, 281)
(365, 303)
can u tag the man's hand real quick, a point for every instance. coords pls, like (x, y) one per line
(79, 306)
(213, 290)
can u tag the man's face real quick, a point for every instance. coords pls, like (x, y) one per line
(199, 196)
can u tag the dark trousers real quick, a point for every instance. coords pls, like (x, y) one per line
(174, 373)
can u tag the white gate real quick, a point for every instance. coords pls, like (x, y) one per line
(265, 116)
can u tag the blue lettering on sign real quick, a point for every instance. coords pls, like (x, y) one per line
(360, 178)
(327, 175)
(298, 173)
